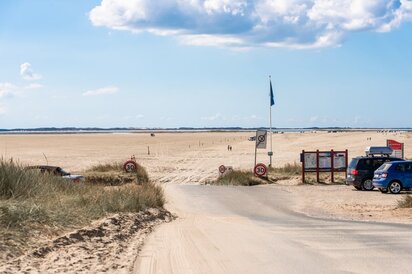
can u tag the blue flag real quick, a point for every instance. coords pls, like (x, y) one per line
(272, 98)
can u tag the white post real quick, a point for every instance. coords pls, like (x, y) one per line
(270, 119)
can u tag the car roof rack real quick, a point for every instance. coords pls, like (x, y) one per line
(378, 151)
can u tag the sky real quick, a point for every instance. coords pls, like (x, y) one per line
(205, 63)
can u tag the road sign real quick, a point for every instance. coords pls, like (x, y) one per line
(260, 170)
(130, 166)
(261, 136)
(225, 170)
(222, 169)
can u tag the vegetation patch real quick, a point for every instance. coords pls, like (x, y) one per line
(238, 178)
(33, 205)
(113, 174)
(288, 169)
(406, 202)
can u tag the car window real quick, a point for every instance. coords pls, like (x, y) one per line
(353, 163)
(400, 167)
(377, 163)
(365, 164)
(408, 167)
(384, 167)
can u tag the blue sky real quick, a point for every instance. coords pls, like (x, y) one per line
(170, 63)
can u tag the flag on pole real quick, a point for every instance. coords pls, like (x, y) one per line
(272, 98)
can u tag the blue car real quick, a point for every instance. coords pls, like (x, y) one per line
(393, 177)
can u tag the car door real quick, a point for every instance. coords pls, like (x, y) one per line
(407, 183)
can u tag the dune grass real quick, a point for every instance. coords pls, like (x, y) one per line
(113, 174)
(287, 169)
(237, 178)
(406, 202)
(32, 203)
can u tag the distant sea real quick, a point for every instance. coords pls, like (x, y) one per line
(73, 130)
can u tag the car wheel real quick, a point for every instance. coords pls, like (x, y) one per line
(357, 188)
(383, 190)
(367, 185)
(395, 187)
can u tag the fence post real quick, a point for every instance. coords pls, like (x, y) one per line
(347, 162)
(303, 166)
(332, 163)
(317, 166)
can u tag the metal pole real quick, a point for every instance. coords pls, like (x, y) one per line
(303, 166)
(270, 119)
(256, 143)
(332, 163)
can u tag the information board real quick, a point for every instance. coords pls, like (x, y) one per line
(324, 161)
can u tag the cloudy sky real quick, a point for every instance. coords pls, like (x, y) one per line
(173, 63)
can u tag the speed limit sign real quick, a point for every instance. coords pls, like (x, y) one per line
(260, 170)
(130, 166)
(222, 169)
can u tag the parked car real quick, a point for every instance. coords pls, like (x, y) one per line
(252, 138)
(58, 171)
(361, 170)
(394, 177)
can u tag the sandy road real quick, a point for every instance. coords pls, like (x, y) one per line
(254, 230)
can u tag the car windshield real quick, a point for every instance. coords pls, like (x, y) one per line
(384, 167)
(62, 172)
(353, 163)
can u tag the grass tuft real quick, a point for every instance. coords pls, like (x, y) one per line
(287, 169)
(238, 178)
(113, 174)
(406, 202)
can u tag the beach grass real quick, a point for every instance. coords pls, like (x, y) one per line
(113, 174)
(287, 169)
(237, 178)
(405, 202)
(34, 204)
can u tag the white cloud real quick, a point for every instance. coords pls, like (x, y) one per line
(101, 91)
(139, 116)
(2, 110)
(253, 23)
(7, 90)
(215, 117)
(27, 73)
(314, 119)
(33, 86)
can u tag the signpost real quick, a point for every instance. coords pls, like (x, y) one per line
(323, 161)
(398, 148)
(261, 140)
(260, 170)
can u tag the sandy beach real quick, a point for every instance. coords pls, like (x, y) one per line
(177, 160)
(194, 158)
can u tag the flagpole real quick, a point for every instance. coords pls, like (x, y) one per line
(270, 119)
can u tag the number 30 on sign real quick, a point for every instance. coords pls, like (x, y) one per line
(260, 170)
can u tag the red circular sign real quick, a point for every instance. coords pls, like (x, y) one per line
(130, 166)
(260, 170)
(222, 169)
